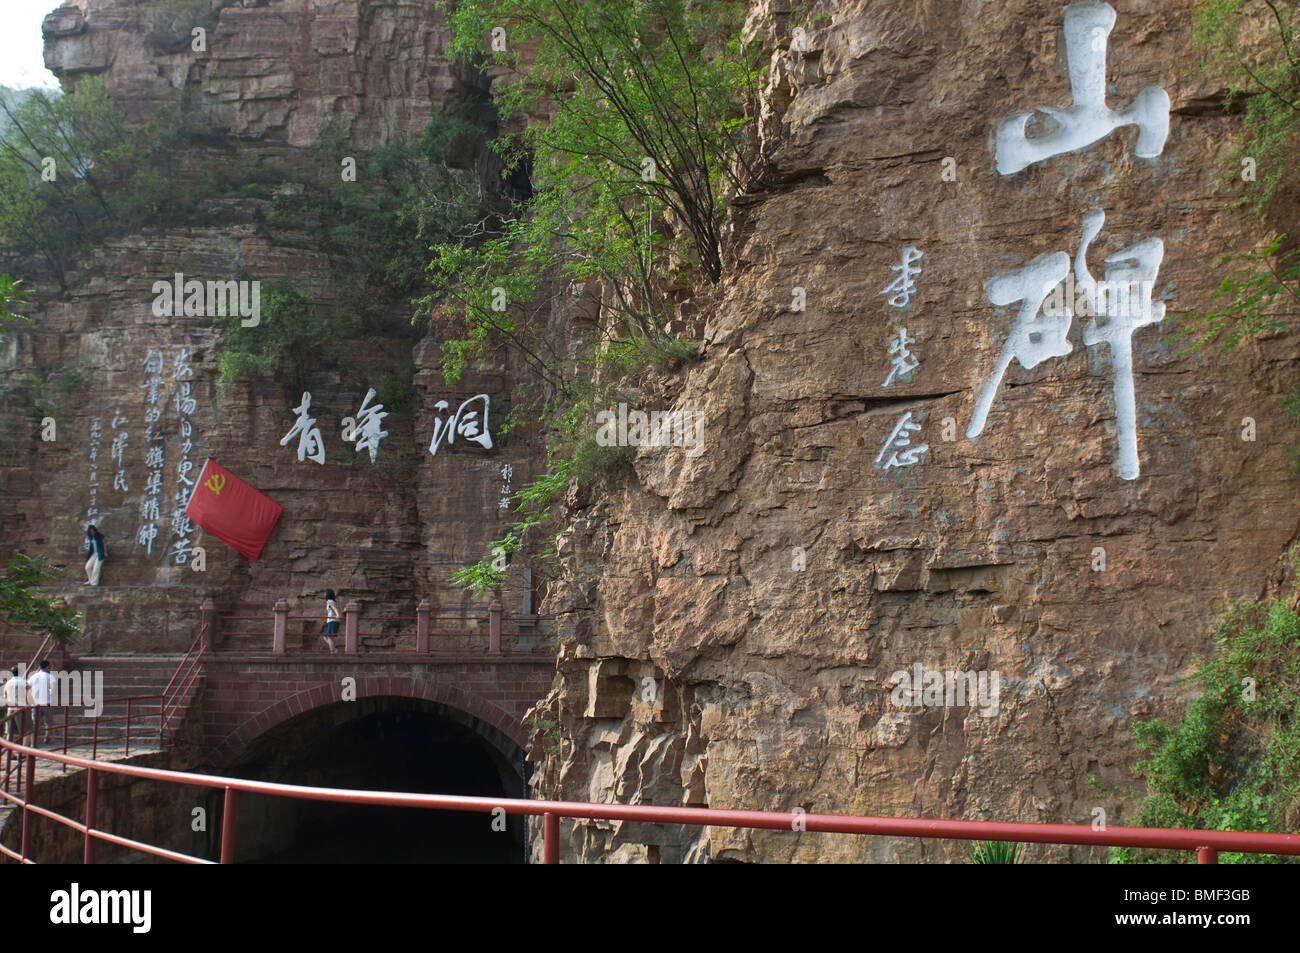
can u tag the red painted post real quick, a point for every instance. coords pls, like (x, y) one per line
(66, 710)
(351, 616)
(126, 752)
(422, 627)
(550, 838)
(94, 756)
(281, 610)
(494, 628)
(92, 788)
(26, 848)
(1207, 855)
(228, 827)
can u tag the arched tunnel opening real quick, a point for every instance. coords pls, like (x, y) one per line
(380, 744)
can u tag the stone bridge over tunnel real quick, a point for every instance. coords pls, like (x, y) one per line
(444, 726)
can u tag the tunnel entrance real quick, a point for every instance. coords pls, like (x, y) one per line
(380, 743)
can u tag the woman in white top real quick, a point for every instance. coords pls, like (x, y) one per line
(331, 620)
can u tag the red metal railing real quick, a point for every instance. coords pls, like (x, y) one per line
(41, 651)
(29, 723)
(1207, 844)
(181, 685)
(237, 629)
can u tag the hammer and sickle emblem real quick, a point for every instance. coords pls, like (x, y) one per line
(215, 483)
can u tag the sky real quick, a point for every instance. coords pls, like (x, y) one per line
(21, 63)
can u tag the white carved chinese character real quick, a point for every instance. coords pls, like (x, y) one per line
(464, 422)
(1032, 339)
(1088, 119)
(185, 404)
(310, 443)
(145, 537)
(1120, 304)
(181, 368)
(903, 287)
(1123, 300)
(899, 445)
(149, 508)
(367, 433)
(181, 525)
(903, 361)
(119, 482)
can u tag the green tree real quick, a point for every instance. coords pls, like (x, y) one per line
(21, 603)
(72, 170)
(1233, 762)
(1262, 286)
(645, 132)
(11, 296)
(292, 339)
(1263, 86)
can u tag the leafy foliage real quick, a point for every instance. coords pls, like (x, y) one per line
(534, 504)
(21, 603)
(398, 200)
(11, 296)
(994, 852)
(1263, 285)
(72, 171)
(1233, 763)
(646, 133)
(1265, 87)
(292, 340)
(1252, 292)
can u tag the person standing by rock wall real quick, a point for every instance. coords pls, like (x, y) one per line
(331, 620)
(95, 552)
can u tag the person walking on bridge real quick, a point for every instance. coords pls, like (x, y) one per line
(42, 695)
(331, 620)
(16, 697)
(95, 552)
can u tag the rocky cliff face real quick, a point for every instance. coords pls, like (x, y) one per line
(270, 75)
(732, 622)
(735, 620)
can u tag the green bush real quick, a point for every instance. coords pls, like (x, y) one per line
(22, 605)
(292, 340)
(994, 852)
(1233, 762)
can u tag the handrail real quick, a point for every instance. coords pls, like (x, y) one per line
(40, 652)
(192, 664)
(1207, 844)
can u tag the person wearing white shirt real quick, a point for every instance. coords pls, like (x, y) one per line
(15, 697)
(42, 694)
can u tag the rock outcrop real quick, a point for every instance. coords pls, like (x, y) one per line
(734, 620)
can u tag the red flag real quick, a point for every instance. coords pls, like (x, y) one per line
(232, 511)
